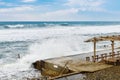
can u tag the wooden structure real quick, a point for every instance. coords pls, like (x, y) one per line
(63, 67)
(77, 66)
(105, 38)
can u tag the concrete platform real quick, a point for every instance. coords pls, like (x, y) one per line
(78, 65)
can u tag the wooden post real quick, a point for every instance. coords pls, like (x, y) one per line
(64, 68)
(110, 54)
(93, 58)
(97, 57)
(94, 49)
(112, 48)
(105, 55)
(102, 57)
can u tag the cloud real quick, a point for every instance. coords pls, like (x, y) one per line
(62, 12)
(59, 15)
(5, 4)
(15, 9)
(65, 14)
(71, 10)
(85, 2)
(86, 5)
(26, 1)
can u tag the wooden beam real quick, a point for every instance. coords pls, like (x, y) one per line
(112, 45)
(105, 38)
(64, 75)
(94, 49)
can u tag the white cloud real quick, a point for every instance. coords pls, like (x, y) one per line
(59, 15)
(62, 12)
(86, 5)
(85, 2)
(15, 9)
(28, 1)
(67, 14)
(5, 4)
(42, 13)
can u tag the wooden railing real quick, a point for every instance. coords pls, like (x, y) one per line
(103, 56)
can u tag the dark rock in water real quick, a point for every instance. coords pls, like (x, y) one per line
(38, 64)
(50, 69)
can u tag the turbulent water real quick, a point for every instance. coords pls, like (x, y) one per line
(42, 40)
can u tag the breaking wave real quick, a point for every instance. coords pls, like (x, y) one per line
(17, 25)
(14, 26)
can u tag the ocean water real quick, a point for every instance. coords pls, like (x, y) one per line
(42, 40)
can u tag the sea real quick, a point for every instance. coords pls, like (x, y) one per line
(24, 42)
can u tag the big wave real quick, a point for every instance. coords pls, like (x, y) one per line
(41, 33)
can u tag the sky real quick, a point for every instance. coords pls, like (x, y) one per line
(59, 10)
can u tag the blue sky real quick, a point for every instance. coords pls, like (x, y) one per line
(59, 10)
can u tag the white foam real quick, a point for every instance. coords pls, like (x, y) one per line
(15, 26)
(40, 33)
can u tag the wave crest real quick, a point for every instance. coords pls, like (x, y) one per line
(14, 26)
